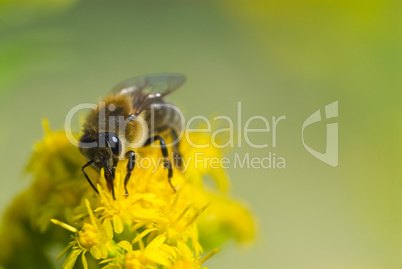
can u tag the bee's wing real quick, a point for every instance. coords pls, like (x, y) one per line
(148, 89)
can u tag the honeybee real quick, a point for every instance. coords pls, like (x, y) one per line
(121, 122)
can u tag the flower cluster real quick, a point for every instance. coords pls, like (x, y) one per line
(153, 227)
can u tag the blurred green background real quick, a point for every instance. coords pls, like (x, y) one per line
(289, 58)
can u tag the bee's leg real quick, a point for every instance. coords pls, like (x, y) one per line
(177, 158)
(111, 175)
(130, 168)
(165, 154)
(86, 176)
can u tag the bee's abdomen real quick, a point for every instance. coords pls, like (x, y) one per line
(161, 116)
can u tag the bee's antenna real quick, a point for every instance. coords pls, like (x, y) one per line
(86, 176)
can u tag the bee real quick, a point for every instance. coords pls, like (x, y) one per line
(122, 122)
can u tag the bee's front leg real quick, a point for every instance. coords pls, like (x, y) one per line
(130, 168)
(109, 176)
(86, 176)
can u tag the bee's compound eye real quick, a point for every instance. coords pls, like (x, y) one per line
(115, 144)
(110, 140)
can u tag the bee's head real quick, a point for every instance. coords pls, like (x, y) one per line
(103, 148)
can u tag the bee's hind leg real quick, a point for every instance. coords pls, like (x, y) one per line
(177, 158)
(165, 154)
(130, 168)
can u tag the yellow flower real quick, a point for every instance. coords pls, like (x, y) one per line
(154, 227)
